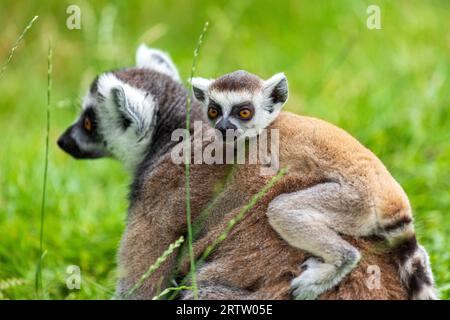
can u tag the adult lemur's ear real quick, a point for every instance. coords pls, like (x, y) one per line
(134, 108)
(157, 60)
(276, 91)
(199, 87)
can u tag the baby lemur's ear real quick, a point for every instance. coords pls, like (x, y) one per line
(134, 108)
(276, 91)
(200, 86)
(157, 60)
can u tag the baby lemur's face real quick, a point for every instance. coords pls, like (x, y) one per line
(240, 104)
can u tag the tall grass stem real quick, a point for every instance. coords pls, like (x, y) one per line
(38, 280)
(232, 223)
(188, 160)
(242, 213)
(16, 45)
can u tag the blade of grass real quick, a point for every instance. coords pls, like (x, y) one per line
(38, 280)
(188, 159)
(11, 283)
(166, 291)
(16, 45)
(199, 222)
(242, 213)
(232, 223)
(445, 287)
(220, 187)
(100, 287)
(172, 247)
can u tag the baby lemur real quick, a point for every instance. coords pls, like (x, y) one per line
(130, 114)
(354, 195)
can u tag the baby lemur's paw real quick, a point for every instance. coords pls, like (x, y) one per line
(319, 277)
(314, 280)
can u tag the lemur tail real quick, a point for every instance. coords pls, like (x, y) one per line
(413, 261)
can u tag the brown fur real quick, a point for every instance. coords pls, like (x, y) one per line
(238, 80)
(253, 258)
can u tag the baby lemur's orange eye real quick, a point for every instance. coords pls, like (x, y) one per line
(245, 113)
(213, 113)
(87, 124)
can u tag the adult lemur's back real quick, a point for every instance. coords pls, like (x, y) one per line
(256, 260)
(253, 262)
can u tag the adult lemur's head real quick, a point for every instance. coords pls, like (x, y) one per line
(120, 111)
(240, 103)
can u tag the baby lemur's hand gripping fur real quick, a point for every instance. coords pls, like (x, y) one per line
(354, 195)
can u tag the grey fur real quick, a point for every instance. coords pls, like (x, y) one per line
(310, 219)
(237, 81)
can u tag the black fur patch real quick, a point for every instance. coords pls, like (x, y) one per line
(93, 133)
(247, 105)
(100, 97)
(118, 97)
(406, 249)
(126, 122)
(214, 104)
(398, 224)
(418, 279)
(199, 94)
(280, 93)
(268, 109)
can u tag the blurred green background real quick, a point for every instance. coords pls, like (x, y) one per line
(389, 88)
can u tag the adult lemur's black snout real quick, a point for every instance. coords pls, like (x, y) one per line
(67, 143)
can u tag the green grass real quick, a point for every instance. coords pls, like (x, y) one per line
(169, 251)
(389, 88)
(16, 45)
(42, 252)
(231, 224)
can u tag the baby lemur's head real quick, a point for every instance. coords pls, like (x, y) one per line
(241, 103)
(119, 111)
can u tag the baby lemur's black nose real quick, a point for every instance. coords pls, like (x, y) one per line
(224, 125)
(223, 131)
